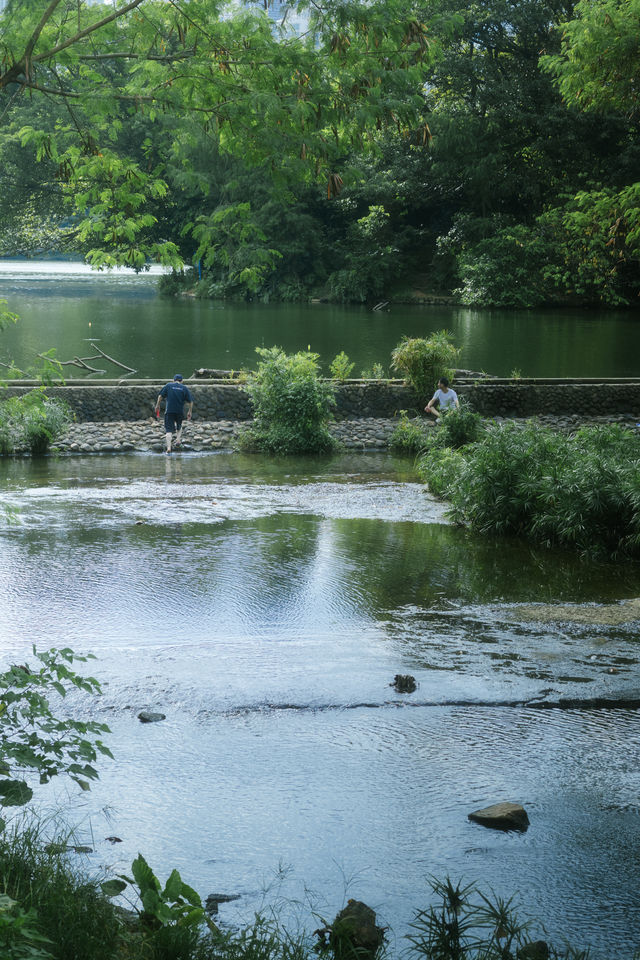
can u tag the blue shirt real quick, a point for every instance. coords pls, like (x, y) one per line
(176, 395)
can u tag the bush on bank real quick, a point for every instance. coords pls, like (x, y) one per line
(580, 491)
(292, 405)
(30, 423)
(422, 361)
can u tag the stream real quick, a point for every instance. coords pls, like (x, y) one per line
(265, 609)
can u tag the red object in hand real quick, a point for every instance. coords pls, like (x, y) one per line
(157, 413)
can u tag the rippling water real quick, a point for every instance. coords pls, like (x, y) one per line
(265, 609)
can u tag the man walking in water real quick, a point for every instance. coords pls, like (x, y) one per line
(175, 394)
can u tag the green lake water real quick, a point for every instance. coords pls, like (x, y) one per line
(62, 305)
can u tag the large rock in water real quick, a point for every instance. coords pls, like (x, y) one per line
(354, 934)
(502, 816)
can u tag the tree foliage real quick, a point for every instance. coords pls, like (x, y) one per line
(36, 741)
(292, 106)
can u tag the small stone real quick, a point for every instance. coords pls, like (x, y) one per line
(113, 839)
(147, 716)
(502, 816)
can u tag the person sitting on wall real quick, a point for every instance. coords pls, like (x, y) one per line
(175, 394)
(445, 397)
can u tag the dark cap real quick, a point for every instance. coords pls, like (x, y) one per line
(178, 376)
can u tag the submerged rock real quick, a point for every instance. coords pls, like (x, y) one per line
(214, 899)
(502, 816)
(404, 683)
(146, 716)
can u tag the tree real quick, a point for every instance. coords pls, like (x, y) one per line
(292, 106)
(596, 71)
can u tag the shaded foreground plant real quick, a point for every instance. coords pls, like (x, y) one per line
(467, 925)
(31, 422)
(580, 491)
(292, 405)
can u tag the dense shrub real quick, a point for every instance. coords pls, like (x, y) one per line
(423, 361)
(580, 491)
(292, 405)
(30, 423)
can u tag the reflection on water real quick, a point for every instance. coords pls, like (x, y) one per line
(265, 608)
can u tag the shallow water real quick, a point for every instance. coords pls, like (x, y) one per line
(265, 609)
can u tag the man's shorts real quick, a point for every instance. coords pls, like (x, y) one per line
(172, 422)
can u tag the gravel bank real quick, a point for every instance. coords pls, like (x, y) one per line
(364, 434)
(148, 435)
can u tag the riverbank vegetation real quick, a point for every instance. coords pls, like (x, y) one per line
(579, 491)
(379, 150)
(292, 406)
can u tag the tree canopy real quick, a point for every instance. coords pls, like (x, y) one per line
(227, 79)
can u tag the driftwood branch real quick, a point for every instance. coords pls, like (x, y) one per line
(76, 362)
(106, 356)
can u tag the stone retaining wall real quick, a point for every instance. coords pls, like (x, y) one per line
(134, 401)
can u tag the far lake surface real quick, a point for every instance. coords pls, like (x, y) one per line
(265, 608)
(62, 305)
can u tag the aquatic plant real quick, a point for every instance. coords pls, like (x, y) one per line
(409, 435)
(465, 924)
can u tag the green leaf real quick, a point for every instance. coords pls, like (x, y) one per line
(112, 888)
(14, 793)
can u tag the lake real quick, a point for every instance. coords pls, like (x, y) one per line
(64, 305)
(265, 608)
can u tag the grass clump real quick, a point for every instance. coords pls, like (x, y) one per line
(292, 405)
(580, 491)
(423, 361)
(410, 435)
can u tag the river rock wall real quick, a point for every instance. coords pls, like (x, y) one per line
(134, 401)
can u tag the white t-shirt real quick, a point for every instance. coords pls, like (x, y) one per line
(447, 399)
